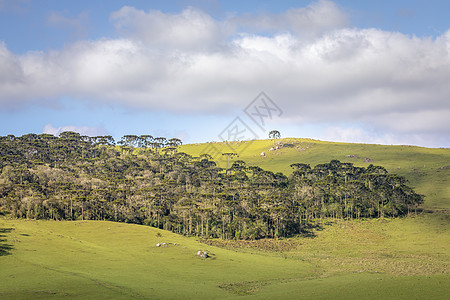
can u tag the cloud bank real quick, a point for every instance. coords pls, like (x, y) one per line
(83, 130)
(316, 67)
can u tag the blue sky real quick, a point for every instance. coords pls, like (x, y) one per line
(354, 71)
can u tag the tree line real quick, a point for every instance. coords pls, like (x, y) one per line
(146, 180)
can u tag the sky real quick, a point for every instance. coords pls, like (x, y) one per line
(348, 71)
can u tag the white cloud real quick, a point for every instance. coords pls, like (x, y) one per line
(10, 67)
(83, 130)
(310, 21)
(190, 62)
(191, 29)
(355, 134)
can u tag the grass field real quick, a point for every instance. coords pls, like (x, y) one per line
(404, 258)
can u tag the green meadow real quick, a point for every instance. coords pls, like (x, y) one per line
(395, 258)
(401, 258)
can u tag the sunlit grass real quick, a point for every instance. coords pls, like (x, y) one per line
(114, 260)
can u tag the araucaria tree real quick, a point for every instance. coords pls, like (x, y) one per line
(76, 177)
(274, 134)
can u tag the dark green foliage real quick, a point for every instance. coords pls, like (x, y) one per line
(77, 177)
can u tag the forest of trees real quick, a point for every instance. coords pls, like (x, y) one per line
(146, 180)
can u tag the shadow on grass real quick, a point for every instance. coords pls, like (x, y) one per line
(309, 230)
(5, 249)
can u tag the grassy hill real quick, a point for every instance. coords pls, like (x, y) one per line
(427, 169)
(404, 258)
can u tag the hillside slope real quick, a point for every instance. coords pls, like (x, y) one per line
(403, 258)
(427, 169)
(116, 260)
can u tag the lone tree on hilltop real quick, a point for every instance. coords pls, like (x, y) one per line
(274, 134)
